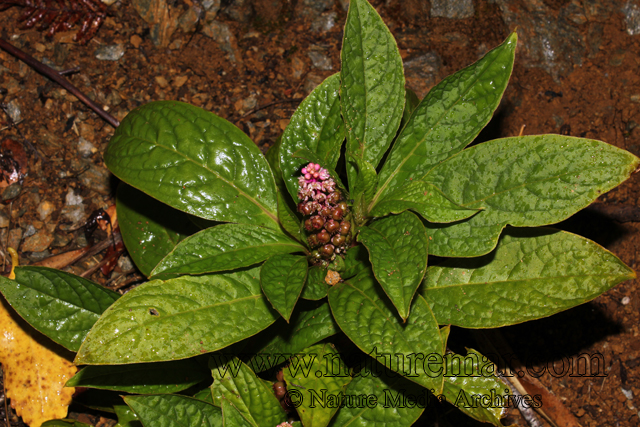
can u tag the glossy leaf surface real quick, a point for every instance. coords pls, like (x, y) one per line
(143, 378)
(179, 318)
(170, 410)
(316, 287)
(282, 278)
(474, 374)
(532, 274)
(288, 219)
(150, 229)
(61, 305)
(231, 417)
(424, 199)
(451, 115)
(306, 328)
(237, 383)
(381, 400)
(315, 126)
(365, 314)
(398, 249)
(523, 181)
(322, 377)
(372, 84)
(225, 247)
(194, 161)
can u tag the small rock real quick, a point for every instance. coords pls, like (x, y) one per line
(13, 110)
(179, 81)
(4, 219)
(221, 33)
(627, 393)
(188, 21)
(320, 60)
(626, 300)
(85, 148)
(11, 192)
(631, 11)
(45, 208)
(38, 242)
(421, 71)
(312, 8)
(74, 214)
(240, 10)
(635, 98)
(311, 82)
(452, 9)
(110, 53)
(29, 231)
(40, 47)
(97, 178)
(60, 240)
(297, 67)
(344, 4)
(162, 81)
(72, 199)
(324, 22)
(39, 256)
(15, 236)
(125, 263)
(211, 5)
(135, 41)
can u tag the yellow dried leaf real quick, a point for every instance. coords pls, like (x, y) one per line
(34, 370)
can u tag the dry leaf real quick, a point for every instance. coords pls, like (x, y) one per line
(34, 371)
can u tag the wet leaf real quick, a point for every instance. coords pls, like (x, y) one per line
(169, 410)
(282, 278)
(315, 287)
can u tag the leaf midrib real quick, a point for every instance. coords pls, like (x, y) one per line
(269, 214)
(517, 281)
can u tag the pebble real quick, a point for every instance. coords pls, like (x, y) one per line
(60, 240)
(72, 199)
(311, 8)
(110, 53)
(188, 21)
(38, 242)
(452, 9)
(125, 263)
(85, 148)
(221, 34)
(324, 23)
(627, 393)
(13, 110)
(162, 81)
(97, 179)
(240, 11)
(45, 208)
(135, 41)
(631, 11)
(297, 67)
(421, 71)
(626, 300)
(311, 82)
(39, 256)
(15, 236)
(211, 5)
(29, 231)
(4, 219)
(11, 192)
(179, 81)
(320, 60)
(74, 214)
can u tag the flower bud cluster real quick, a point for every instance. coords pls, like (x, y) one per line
(327, 217)
(280, 390)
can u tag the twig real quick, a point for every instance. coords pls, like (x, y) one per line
(58, 78)
(133, 279)
(262, 107)
(527, 412)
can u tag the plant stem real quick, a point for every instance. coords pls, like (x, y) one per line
(57, 77)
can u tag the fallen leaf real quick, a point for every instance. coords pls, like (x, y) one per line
(35, 371)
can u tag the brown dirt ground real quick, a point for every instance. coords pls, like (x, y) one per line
(596, 103)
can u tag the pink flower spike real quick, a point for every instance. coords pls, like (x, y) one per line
(304, 171)
(307, 176)
(317, 167)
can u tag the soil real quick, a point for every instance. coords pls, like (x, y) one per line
(256, 79)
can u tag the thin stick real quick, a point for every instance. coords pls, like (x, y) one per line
(56, 77)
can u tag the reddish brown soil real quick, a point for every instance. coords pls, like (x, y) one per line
(595, 102)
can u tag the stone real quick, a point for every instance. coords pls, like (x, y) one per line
(324, 23)
(29, 231)
(221, 34)
(311, 82)
(312, 8)
(421, 71)
(211, 5)
(13, 110)
(72, 199)
(188, 21)
(45, 208)
(179, 81)
(15, 236)
(110, 52)
(60, 240)
(319, 60)
(162, 81)
(240, 11)
(5, 220)
(38, 242)
(75, 215)
(125, 263)
(85, 148)
(631, 11)
(297, 67)
(97, 179)
(452, 9)
(11, 192)
(135, 41)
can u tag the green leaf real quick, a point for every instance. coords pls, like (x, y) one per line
(65, 422)
(178, 318)
(355, 260)
(381, 400)
(372, 84)
(315, 287)
(424, 199)
(170, 410)
(364, 188)
(194, 161)
(143, 378)
(367, 317)
(231, 417)
(225, 247)
(316, 126)
(533, 273)
(398, 248)
(308, 325)
(411, 101)
(237, 383)
(451, 115)
(282, 278)
(523, 181)
(62, 306)
(320, 391)
(204, 395)
(474, 374)
(126, 417)
(288, 220)
(273, 158)
(150, 229)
